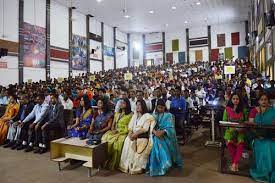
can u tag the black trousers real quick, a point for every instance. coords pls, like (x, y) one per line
(24, 131)
(179, 125)
(35, 134)
(45, 132)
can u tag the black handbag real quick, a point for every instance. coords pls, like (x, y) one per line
(144, 135)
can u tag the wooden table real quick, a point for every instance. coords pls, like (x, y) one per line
(73, 148)
(224, 125)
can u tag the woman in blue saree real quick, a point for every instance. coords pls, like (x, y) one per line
(102, 121)
(83, 119)
(165, 152)
(263, 169)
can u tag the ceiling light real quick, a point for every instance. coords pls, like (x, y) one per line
(198, 3)
(99, 1)
(126, 16)
(166, 25)
(185, 22)
(174, 7)
(151, 12)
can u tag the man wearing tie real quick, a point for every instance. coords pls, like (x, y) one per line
(55, 122)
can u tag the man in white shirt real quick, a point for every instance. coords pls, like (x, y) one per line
(201, 94)
(37, 116)
(66, 102)
(147, 100)
(133, 100)
(3, 97)
(123, 94)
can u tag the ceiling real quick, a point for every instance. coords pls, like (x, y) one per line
(186, 15)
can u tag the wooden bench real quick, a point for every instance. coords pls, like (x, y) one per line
(59, 161)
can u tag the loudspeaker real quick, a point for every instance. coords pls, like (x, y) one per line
(93, 51)
(269, 19)
(3, 52)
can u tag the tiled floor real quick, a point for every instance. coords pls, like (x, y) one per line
(200, 166)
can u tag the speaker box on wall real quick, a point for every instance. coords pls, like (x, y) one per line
(269, 18)
(3, 52)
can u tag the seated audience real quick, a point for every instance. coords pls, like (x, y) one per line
(55, 122)
(3, 97)
(116, 136)
(132, 99)
(147, 100)
(138, 143)
(26, 106)
(11, 111)
(263, 169)
(201, 94)
(123, 95)
(66, 101)
(235, 112)
(165, 152)
(83, 119)
(102, 121)
(29, 133)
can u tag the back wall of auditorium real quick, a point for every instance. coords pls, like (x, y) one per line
(46, 40)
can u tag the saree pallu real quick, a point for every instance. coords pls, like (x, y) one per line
(85, 120)
(135, 153)
(100, 122)
(11, 111)
(115, 139)
(165, 152)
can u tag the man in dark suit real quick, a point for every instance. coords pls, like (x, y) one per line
(158, 95)
(55, 122)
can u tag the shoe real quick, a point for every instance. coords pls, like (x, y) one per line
(11, 143)
(29, 149)
(21, 147)
(5, 142)
(15, 146)
(36, 151)
(43, 150)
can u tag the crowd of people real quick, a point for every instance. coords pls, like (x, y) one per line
(140, 118)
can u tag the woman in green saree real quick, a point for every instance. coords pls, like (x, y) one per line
(263, 169)
(116, 136)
